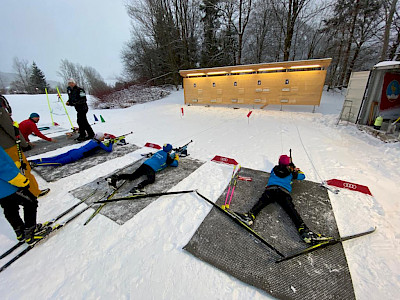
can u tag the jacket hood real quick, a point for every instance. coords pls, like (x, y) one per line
(281, 171)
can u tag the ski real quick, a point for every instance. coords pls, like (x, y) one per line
(233, 216)
(49, 223)
(139, 196)
(103, 204)
(325, 244)
(53, 229)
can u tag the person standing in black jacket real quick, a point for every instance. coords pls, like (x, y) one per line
(77, 98)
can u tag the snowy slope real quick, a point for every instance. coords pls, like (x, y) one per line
(143, 259)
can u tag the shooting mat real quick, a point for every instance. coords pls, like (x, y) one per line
(322, 274)
(50, 173)
(42, 146)
(122, 211)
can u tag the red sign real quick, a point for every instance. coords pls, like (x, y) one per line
(349, 185)
(151, 145)
(390, 91)
(248, 115)
(182, 111)
(224, 160)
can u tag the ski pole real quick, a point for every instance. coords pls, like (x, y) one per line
(229, 187)
(234, 186)
(134, 197)
(59, 96)
(48, 102)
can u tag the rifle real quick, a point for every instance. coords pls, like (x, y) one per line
(182, 151)
(114, 139)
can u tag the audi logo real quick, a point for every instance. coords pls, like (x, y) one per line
(350, 186)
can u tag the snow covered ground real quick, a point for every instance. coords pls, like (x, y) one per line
(143, 259)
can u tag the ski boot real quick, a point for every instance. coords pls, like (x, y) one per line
(36, 233)
(19, 232)
(247, 218)
(137, 191)
(310, 237)
(43, 192)
(112, 181)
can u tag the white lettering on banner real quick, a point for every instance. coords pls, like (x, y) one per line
(350, 186)
(224, 159)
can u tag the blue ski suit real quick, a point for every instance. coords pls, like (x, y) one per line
(73, 155)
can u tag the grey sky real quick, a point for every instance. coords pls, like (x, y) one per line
(89, 32)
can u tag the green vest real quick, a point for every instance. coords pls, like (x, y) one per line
(378, 121)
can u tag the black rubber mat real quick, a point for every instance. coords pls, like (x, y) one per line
(123, 211)
(322, 274)
(42, 146)
(50, 173)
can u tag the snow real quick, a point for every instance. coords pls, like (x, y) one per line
(143, 259)
(387, 63)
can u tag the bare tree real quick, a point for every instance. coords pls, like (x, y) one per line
(23, 71)
(388, 25)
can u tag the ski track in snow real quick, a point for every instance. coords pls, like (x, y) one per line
(144, 258)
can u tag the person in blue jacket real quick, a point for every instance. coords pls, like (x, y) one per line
(75, 154)
(13, 193)
(278, 190)
(159, 161)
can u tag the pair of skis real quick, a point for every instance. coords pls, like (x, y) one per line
(231, 187)
(51, 224)
(232, 215)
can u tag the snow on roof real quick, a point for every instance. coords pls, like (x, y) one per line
(385, 64)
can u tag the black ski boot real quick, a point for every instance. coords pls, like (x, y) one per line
(310, 237)
(137, 191)
(112, 181)
(19, 232)
(43, 192)
(36, 233)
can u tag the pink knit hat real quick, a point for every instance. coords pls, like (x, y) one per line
(284, 160)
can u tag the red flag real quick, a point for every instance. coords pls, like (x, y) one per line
(182, 111)
(248, 115)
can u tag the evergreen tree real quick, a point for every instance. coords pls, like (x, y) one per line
(37, 80)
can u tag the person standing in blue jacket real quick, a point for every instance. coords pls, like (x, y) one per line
(159, 161)
(278, 190)
(75, 154)
(14, 191)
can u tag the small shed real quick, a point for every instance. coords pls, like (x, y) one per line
(283, 83)
(373, 93)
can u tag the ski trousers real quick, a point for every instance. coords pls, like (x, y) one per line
(276, 194)
(84, 127)
(10, 205)
(143, 170)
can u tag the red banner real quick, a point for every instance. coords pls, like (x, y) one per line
(151, 145)
(390, 91)
(248, 115)
(349, 185)
(224, 160)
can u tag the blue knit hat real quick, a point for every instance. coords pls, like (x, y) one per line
(167, 147)
(34, 115)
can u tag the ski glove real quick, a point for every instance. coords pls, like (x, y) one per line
(19, 181)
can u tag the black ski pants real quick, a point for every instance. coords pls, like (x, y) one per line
(276, 194)
(84, 127)
(10, 205)
(143, 170)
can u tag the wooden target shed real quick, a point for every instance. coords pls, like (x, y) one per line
(283, 83)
